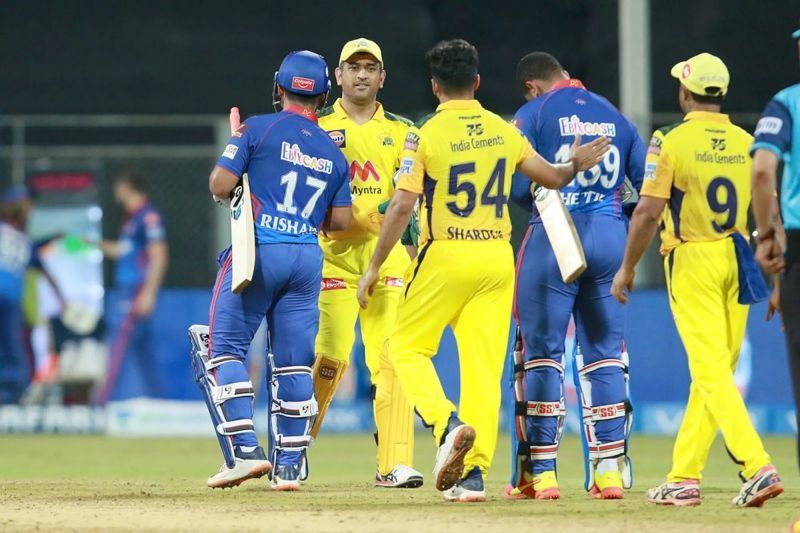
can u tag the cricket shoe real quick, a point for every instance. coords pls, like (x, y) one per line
(285, 478)
(607, 486)
(248, 465)
(401, 477)
(542, 486)
(765, 484)
(456, 442)
(684, 493)
(468, 489)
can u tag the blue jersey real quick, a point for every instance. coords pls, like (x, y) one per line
(16, 255)
(550, 122)
(777, 132)
(140, 229)
(296, 173)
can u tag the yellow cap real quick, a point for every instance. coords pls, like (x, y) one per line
(360, 45)
(702, 74)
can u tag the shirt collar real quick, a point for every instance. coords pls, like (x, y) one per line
(302, 111)
(339, 110)
(459, 104)
(571, 83)
(708, 115)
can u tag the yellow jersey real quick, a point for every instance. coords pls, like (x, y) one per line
(373, 152)
(461, 159)
(702, 167)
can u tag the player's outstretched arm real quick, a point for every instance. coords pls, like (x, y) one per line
(394, 224)
(556, 176)
(644, 223)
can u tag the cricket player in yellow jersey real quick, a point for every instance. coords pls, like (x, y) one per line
(371, 139)
(697, 181)
(460, 161)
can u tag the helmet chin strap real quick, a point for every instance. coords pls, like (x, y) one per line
(276, 99)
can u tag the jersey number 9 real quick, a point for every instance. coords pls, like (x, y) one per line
(606, 172)
(729, 206)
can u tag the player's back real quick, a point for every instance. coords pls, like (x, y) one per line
(707, 157)
(551, 122)
(469, 156)
(296, 174)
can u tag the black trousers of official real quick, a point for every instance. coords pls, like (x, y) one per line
(790, 303)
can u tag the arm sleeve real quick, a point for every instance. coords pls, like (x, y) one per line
(774, 129)
(636, 159)
(153, 227)
(658, 169)
(236, 156)
(520, 183)
(412, 162)
(342, 197)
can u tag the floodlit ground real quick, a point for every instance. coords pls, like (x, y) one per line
(91, 483)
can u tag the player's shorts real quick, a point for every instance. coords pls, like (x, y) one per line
(285, 289)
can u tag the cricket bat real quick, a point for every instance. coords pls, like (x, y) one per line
(561, 233)
(243, 240)
(243, 245)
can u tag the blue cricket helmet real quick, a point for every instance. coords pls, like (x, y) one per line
(303, 73)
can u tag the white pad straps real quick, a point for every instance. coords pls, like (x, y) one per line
(301, 409)
(544, 452)
(546, 409)
(607, 449)
(241, 389)
(235, 427)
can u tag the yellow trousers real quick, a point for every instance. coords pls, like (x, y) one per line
(469, 286)
(703, 284)
(345, 263)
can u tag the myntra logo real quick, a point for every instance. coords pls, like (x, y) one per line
(363, 172)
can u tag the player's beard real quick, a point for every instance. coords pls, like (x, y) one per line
(362, 97)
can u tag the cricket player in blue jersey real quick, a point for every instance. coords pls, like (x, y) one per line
(558, 108)
(776, 143)
(142, 257)
(299, 184)
(16, 256)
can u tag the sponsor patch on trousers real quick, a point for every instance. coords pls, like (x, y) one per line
(332, 284)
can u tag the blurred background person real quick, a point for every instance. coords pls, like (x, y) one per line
(142, 257)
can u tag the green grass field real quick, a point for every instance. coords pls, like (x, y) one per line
(95, 483)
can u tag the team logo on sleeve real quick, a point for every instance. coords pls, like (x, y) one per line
(230, 151)
(393, 282)
(240, 131)
(412, 142)
(300, 83)
(655, 146)
(769, 126)
(406, 166)
(337, 136)
(650, 171)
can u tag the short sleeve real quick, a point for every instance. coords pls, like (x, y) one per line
(659, 168)
(524, 123)
(636, 159)
(774, 129)
(342, 197)
(153, 227)
(236, 156)
(412, 162)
